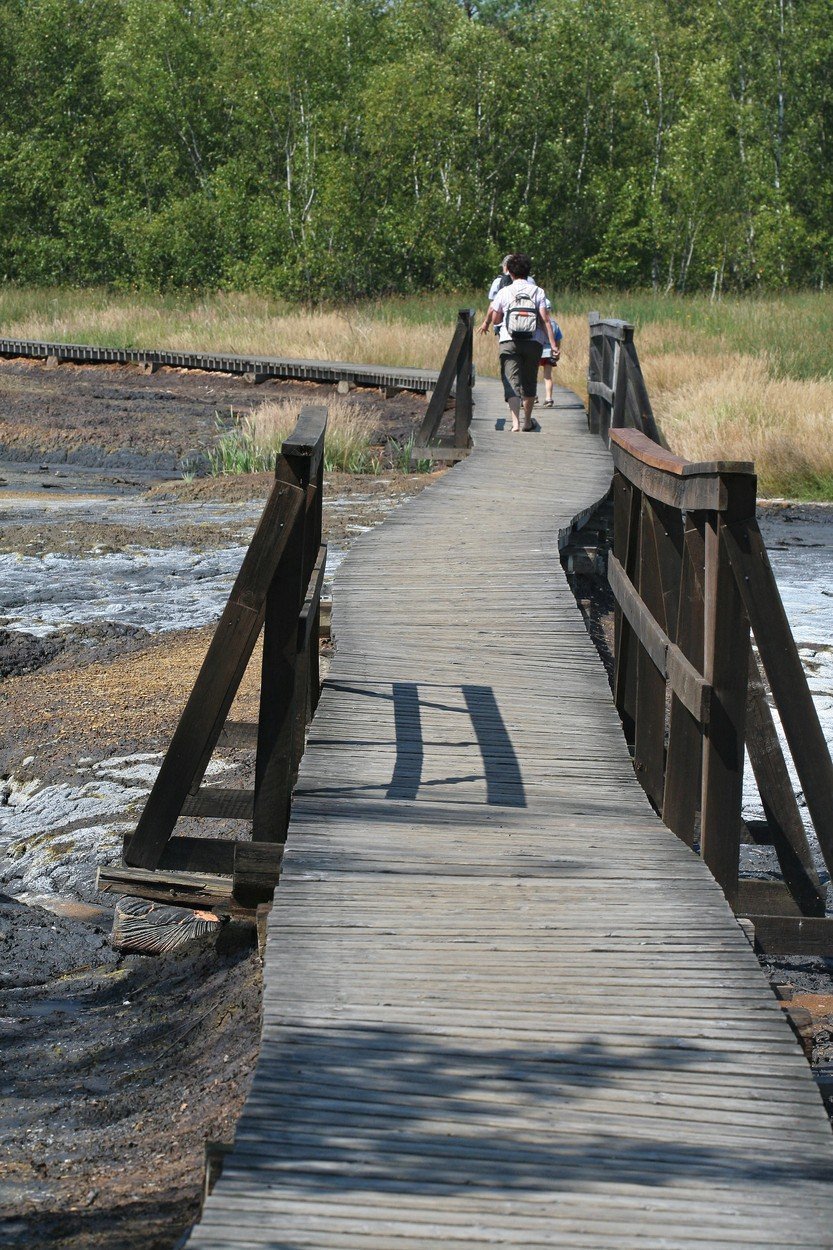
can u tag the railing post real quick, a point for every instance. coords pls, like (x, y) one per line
(594, 374)
(462, 394)
(449, 371)
(626, 522)
(725, 668)
(283, 671)
(659, 588)
(683, 769)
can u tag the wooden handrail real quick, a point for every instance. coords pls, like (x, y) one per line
(277, 591)
(618, 396)
(457, 373)
(646, 451)
(689, 573)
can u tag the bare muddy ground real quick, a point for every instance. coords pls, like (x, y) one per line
(117, 1069)
(57, 423)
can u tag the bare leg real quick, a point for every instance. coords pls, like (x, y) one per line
(548, 384)
(515, 409)
(528, 406)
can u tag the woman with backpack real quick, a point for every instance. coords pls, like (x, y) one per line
(520, 312)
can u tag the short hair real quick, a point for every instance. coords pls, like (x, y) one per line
(518, 264)
(506, 260)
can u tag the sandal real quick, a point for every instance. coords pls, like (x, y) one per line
(547, 403)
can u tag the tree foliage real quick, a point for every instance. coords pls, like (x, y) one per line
(348, 147)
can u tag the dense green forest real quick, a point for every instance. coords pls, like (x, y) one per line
(336, 148)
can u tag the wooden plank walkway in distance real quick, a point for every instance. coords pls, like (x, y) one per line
(504, 1006)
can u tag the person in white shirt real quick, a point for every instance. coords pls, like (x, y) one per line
(503, 279)
(520, 348)
(550, 358)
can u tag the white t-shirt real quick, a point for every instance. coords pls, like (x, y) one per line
(504, 298)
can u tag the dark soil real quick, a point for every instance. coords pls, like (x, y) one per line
(117, 1070)
(117, 419)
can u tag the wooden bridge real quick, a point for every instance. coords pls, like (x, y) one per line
(504, 1004)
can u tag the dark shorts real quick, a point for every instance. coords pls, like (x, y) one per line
(519, 368)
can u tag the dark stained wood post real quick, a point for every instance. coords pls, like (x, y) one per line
(681, 801)
(462, 394)
(617, 396)
(594, 374)
(445, 381)
(725, 668)
(626, 523)
(782, 664)
(222, 669)
(315, 629)
(656, 550)
(298, 463)
(779, 802)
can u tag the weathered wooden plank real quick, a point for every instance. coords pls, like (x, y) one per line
(602, 389)
(689, 686)
(220, 802)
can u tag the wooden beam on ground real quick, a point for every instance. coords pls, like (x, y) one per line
(185, 889)
(183, 853)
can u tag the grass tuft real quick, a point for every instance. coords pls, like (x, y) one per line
(251, 443)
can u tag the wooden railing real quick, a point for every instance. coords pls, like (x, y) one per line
(617, 394)
(457, 374)
(277, 592)
(690, 574)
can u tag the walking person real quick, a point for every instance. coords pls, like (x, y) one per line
(503, 279)
(519, 311)
(550, 358)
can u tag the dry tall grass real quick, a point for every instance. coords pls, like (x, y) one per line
(253, 440)
(738, 411)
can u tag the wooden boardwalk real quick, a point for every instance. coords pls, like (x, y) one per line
(503, 1004)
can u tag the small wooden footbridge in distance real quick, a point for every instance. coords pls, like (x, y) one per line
(504, 1005)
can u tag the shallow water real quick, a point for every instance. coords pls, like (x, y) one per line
(802, 560)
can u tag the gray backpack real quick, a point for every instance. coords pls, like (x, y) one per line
(522, 315)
